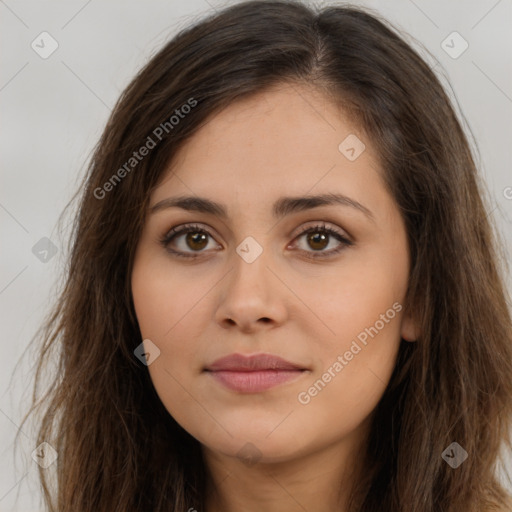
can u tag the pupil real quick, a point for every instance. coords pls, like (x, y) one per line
(315, 238)
(196, 238)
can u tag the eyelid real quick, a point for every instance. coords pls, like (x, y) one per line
(183, 229)
(325, 225)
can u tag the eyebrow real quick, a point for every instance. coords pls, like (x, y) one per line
(282, 207)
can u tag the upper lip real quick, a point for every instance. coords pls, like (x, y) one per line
(239, 362)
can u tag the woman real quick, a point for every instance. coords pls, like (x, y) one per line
(284, 291)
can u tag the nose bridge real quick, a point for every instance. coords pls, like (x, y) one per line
(250, 274)
(251, 291)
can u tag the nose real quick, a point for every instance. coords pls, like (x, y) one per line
(252, 298)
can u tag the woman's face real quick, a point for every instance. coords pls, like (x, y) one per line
(267, 271)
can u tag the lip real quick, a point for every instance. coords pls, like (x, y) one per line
(241, 363)
(254, 374)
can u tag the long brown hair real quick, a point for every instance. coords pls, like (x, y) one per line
(118, 447)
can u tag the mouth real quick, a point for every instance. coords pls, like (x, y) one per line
(254, 374)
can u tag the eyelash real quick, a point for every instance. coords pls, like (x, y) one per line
(194, 228)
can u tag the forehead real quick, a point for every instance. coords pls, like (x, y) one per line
(283, 141)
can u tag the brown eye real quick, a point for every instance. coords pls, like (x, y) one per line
(318, 238)
(192, 241)
(196, 240)
(187, 241)
(317, 241)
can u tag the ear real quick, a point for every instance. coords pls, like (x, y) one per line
(409, 329)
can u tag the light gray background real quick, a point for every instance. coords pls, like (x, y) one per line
(53, 111)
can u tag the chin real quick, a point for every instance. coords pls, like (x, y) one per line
(255, 440)
(251, 450)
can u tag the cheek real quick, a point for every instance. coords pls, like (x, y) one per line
(354, 296)
(338, 405)
(353, 370)
(165, 295)
(360, 306)
(165, 301)
(164, 306)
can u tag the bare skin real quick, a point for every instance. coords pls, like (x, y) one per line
(288, 448)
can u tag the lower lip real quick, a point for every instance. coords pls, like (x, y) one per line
(255, 381)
